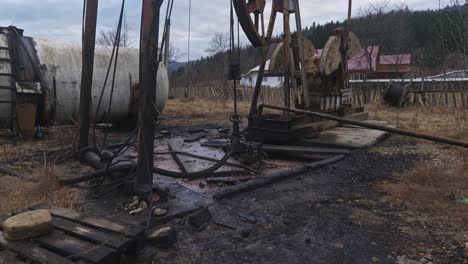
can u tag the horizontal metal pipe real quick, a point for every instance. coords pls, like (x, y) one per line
(398, 131)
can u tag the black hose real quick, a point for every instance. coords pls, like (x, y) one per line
(194, 175)
(114, 48)
(231, 164)
(130, 166)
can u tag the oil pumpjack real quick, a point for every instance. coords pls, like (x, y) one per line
(312, 81)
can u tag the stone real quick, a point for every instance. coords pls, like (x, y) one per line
(200, 218)
(163, 237)
(143, 205)
(28, 225)
(249, 218)
(136, 211)
(158, 212)
(245, 233)
(202, 184)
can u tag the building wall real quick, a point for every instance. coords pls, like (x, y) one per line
(250, 79)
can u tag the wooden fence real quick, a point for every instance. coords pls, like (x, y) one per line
(223, 93)
(452, 93)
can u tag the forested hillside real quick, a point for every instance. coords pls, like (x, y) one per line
(437, 39)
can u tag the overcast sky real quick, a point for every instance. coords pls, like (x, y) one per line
(61, 19)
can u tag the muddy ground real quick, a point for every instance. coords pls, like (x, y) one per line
(337, 214)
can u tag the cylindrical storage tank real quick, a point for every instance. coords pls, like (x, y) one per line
(62, 62)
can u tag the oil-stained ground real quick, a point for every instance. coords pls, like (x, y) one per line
(339, 214)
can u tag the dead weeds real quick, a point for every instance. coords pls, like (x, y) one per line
(429, 190)
(41, 188)
(191, 111)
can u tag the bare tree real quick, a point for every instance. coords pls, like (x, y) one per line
(219, 43)
(175, 54)
(107, 37)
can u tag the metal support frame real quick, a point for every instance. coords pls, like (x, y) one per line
(167, 47)
(305, 86)
(149, 39)
(287, 54)
(261, 71)
(89, 44)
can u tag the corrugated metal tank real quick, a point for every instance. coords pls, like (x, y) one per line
(62, 61)
(5, 95)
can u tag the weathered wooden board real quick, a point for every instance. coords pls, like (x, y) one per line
(33, 251)
(349, 137)
(94, 222)
(75, 248)
(93, 235)
(304, 150)
(76, 238)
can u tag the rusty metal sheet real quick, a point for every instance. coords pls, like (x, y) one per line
(29, 87)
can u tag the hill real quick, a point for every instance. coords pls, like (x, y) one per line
(437, 40)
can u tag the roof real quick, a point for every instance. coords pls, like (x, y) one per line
(360, 62)
(365, 60)
(400, 59)
(256, 69)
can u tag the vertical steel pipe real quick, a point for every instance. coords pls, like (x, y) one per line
(149, 39)
(89, 44)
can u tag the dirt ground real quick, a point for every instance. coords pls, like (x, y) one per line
(340, 214)
(393, 203)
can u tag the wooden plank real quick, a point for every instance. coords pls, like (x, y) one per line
(33, 251)
(274, 177)
(90, 234)
(94, 222)
(347, 137)
(75, 248)
(304, 150)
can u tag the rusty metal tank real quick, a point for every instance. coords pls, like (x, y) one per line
(57, 89)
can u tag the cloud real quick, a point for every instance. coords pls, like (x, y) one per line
(61, 20)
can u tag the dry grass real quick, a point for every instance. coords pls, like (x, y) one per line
(36, 160)
(438, 121)
(43, 188)
(189, 112)
(428, 190)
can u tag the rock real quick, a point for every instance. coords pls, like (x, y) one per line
(245, 233)
(200, 218)
(134, 204)
(163, 237)
(202, 184)
(137, 211)
(28, 225)
(143, 205)
(249, 218)
(308, 240)
(158, 212)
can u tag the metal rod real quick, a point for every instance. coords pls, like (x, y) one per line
(287, 54)
(187, 88)
(261, 70)
(305, 86)
(148, 70)
(167, 48)
(89, 44)
(398, 131)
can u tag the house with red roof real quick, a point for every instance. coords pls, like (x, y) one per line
(369, 63)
